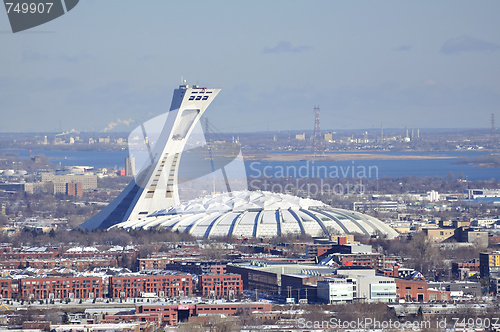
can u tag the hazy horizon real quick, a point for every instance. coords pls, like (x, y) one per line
(477, 131)
(366, 64)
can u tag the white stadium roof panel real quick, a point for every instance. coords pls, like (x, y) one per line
(261, 214)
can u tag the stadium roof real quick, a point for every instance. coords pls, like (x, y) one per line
(246, 214)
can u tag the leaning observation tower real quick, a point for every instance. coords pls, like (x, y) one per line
(156, 147)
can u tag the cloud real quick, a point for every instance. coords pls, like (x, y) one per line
(403, 48)
(286, 47)
(468, 44)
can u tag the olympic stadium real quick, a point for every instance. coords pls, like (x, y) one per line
(154, 199)
(247, 214)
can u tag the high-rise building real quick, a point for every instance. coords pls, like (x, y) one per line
(130, 166)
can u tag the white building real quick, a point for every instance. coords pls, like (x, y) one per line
(376, 289)
(360, 288)
(336, 290)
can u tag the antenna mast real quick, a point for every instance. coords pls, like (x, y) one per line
(318, 147)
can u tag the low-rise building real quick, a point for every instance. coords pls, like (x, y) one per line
(336, 290)
(197, 266)
(494, 285)
(462, 270)
(5, 288)
(220, 285)
(60, 288)
(360, 288)
(458, 288)
(265, 276)
(411, 290)
(173, 314)
(439, 234)
(376, 289)
(159, 285)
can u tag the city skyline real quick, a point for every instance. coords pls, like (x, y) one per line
(113, 65)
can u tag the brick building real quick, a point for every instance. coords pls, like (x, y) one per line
(154, 263)
(198, 267)
(60, 288)
(172, 314)
(5, 288)
(11, 264)
(169, 313)
(411, 290)
(36, 325)
(371, 260)
(220, 285)
(75, 264)
(31, 253)
(160, 285)
(314, 250)
(153, 318)
(74, 189)
(118, 255)
(459, 269)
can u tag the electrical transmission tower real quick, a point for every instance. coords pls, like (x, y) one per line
(318, 148)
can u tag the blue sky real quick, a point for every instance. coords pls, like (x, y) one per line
(419, 64)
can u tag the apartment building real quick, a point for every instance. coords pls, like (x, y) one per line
(60, 288)
(220, 285)
(158, 285)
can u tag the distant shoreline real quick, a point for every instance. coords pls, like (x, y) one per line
(336, 157)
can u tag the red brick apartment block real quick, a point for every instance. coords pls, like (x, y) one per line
(220, 285)
(76, 264)
(133, 286)
(74, 189)
(154, 263)
(42, 253)
(5, 288)
(11, 264)
(60, 288)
